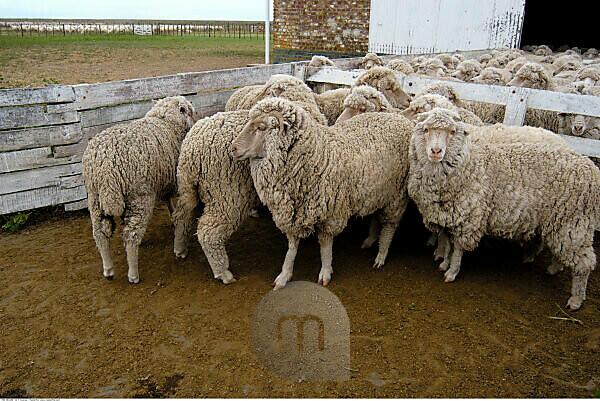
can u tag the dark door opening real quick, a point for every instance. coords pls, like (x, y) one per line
(556, 24)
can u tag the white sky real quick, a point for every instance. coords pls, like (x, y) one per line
(135, 9)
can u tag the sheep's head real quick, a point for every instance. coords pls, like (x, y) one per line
(591, 53)
(467, 70)
(320, 61)
(384, 80)
(438, 134)
(492, 76)
(514, 65)
(371, 60)
(401, 66)
(281, 83)
(433, 67)
(424, 103)
(590, 76)
(443, 90)
(270, 125)
(532, 75)
(417, 61)
(485, 58)
(363, 99)
(542, 50)
(177, 110)
(450, 62)
(566, 63)
(578, 124)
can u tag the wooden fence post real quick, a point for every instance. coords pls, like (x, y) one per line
(516, 107)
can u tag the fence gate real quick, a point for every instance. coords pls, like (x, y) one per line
(434, 26)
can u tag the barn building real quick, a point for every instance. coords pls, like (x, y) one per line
(347, 28)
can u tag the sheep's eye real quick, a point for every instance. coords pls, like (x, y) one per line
(182, 110)
(426, 130)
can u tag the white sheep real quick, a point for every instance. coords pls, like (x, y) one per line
(401, 66)
(314, 178)
(467, 70)
(385, 81)
(371, 60)
(364, 99)
(514, 191)
(127, 168)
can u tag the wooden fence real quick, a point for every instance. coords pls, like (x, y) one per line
(44, 131)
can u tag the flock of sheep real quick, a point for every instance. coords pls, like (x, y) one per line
(317, 159)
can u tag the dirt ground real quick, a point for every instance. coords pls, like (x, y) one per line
(67, 332)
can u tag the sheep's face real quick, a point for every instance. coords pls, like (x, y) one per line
(393, 93)
(250, 143)
(371, 60)
(436, 141)
(533, 81)
(358, 103)
(350, 112)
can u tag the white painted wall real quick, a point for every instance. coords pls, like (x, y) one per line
(435, 26)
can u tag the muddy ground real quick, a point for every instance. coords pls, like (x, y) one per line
(67, 332)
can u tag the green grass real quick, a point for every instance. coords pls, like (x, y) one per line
(14, 222)
(218, 46)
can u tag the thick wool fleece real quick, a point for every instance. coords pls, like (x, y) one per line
(208, 176)
(331, 103)
(315, 178)
(244, 98)
(384, 80)
(400, 65)
(467, 70)
(371, 60)
(513, 191)
(427, 102)
(320, 62)
(127, 167)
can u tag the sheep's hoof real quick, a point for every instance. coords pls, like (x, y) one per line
(109, 274)
(379, 262)
(133, 280)
(368, 242)
(226, 277)
(109, 278)
(181, 254)
(574, 302)
(324, 278)
(450, 276)
(254, 213)
(281, 281)
(443, 266)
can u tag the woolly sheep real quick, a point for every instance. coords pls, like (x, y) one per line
(371, 60)
(591, 91)
(384, 80)
(492, 76)
(467, 70)
(401, 66)
(314, 178)
(244, 98)
(579, 125)
(432, 67)
(466, 195)
(514, 65)
(449, 61)
(484, 59)
(320, 62)
(364, 99)
(331, 103)
(208, 176)
(566, 63)
(127, 168)
(588, 76)
(591, 53)
(416, 62)
(542, 50)
(423, 103)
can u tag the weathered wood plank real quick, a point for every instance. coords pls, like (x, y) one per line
(39, 137)
(32, 158)
(516, 107)
(72, 181)
(584, 146)
(106, 115)
(89, 96)
(78, 205)
(38, 178)
(41, 197)
(33, 116)
(50, 94)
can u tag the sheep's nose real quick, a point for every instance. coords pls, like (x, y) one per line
(436, 151)
(578, 129)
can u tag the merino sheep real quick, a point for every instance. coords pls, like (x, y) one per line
(320, 61)
(314, 178)
(401, 66)
(384, 80)
(371, 60)
(244, 98)
(514, 65)
(579, 125)
(467, 70)
(492, 76)
(207, 176)
(127, 168)
(484, 59)
(449, 61)
(364, 99)
(417, 61)
(461, 187)
(588, 76)
(331, 103)
(432, 67)
(423, 103)
(542, 50)
(591, 53)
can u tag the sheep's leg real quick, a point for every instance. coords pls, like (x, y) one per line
(455, 260)
(288, 264)
(214, 229)
(326, 243)
(385, 239)
(432, 240)
(183, 220)
(374, 227)
(443, 251)
(580, 273)
(532, 249)
(137, 216)
(102, 229)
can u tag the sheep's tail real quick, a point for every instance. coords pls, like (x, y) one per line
(112, 202)
(187, 199)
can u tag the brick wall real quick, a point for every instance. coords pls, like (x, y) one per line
(334, 28)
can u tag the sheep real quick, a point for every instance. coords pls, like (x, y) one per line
(371, 60)
(566, 66)
(127, 168)
(244, 98)
(427, 102)
(579, 125)
(417, 61)
(442, 89)
(208, 176)
(492, 76)
(384, 80)
(450, 62)
(364, 99)
(401, 66)
(591, 53)
(484, 59)
(591, 91)
(514, 65)
(467, 70)
(542, 50)
(432, 67)
(314, 178)
(461, 187)
(279, 85)
(322, 62)
(331, 103)
(459, 57)
(588, 76)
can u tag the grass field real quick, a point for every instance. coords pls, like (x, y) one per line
(38, 60)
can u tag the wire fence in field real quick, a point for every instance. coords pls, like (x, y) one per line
(229, 29)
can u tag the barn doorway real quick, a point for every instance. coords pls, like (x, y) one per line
(548, 23)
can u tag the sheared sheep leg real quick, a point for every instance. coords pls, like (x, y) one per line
(288, 264)
(580, 274)
(374, 227)
(385, 239)
(137, 216)
(443, 251)
(432, 240)
(455, 261)
(183, 220)
(214, 229)
(102, 230)
(326, 242)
